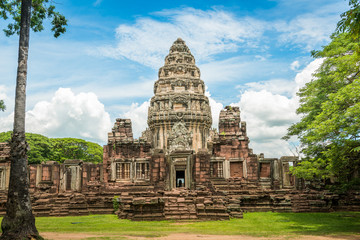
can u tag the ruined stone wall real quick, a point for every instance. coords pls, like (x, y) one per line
(4, 166)
(201, 170)
(122, 148)
(158, 170)
(232, 144)
(122, 131)
(220, 199)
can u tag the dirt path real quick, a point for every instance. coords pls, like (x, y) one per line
(184, 236)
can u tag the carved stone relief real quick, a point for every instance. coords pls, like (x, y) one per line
(179, 138)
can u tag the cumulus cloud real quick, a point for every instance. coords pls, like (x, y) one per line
(306, 74)
(216, 107)
(138, 114)
(67, 115)
(295, 65)
(206, 33)
(269, 108)
(215, 31)
(275, 86)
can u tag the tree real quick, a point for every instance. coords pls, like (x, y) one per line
(43, 149)
(350, 20)
(2, 105)
(329, 129)
(19, 222)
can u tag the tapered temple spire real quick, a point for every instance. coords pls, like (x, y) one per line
(179, 101)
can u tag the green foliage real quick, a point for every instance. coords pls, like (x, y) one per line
(329, 129)
(116, 203)
(41, 9)
(2, 105)
(44, 149)
(350, 20)
(72, 148)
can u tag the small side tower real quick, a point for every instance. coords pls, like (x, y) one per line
(122, 131)
(232, 155)
(229, 121)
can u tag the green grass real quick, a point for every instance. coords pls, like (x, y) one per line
(276, 224)
(253, 224)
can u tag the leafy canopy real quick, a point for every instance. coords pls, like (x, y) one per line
(350, 20)
(44, 149)
(2, 105)
(41, 9)
(329, 129)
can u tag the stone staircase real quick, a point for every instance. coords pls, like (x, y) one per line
(178, 204)
(245, 195)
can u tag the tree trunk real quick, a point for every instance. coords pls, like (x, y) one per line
(19, 222)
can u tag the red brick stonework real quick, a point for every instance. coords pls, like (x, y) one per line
(179, 168)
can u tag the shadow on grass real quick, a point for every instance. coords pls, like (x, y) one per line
(336, 223)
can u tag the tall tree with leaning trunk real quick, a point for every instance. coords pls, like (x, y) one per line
(19, 222)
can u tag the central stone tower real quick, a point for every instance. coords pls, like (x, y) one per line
(179, 149)
(179, 115)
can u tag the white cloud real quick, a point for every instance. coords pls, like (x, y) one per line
(67, 115)
(309, 30)
(138, 115)
(269, 108)
(217, 31)
(268, 116)
(216, 107)
(275, 86)
(295, 65)
(206, 33)
(305, 75)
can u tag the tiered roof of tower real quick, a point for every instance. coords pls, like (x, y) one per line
(179, 97)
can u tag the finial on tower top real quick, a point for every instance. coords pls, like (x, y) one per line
(180, 40)
(179, 46)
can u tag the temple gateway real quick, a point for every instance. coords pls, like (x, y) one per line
(179, 168)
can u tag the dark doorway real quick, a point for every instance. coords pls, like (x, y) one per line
(180, 179)
(68, 178)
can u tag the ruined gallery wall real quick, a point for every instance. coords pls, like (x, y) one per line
(231, 146)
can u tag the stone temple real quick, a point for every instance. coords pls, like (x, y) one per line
(179, 146)
(179, 168)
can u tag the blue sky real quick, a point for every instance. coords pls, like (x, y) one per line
(253, 54)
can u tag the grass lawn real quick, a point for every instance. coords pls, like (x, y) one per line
(253, 224)
(267, 224)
